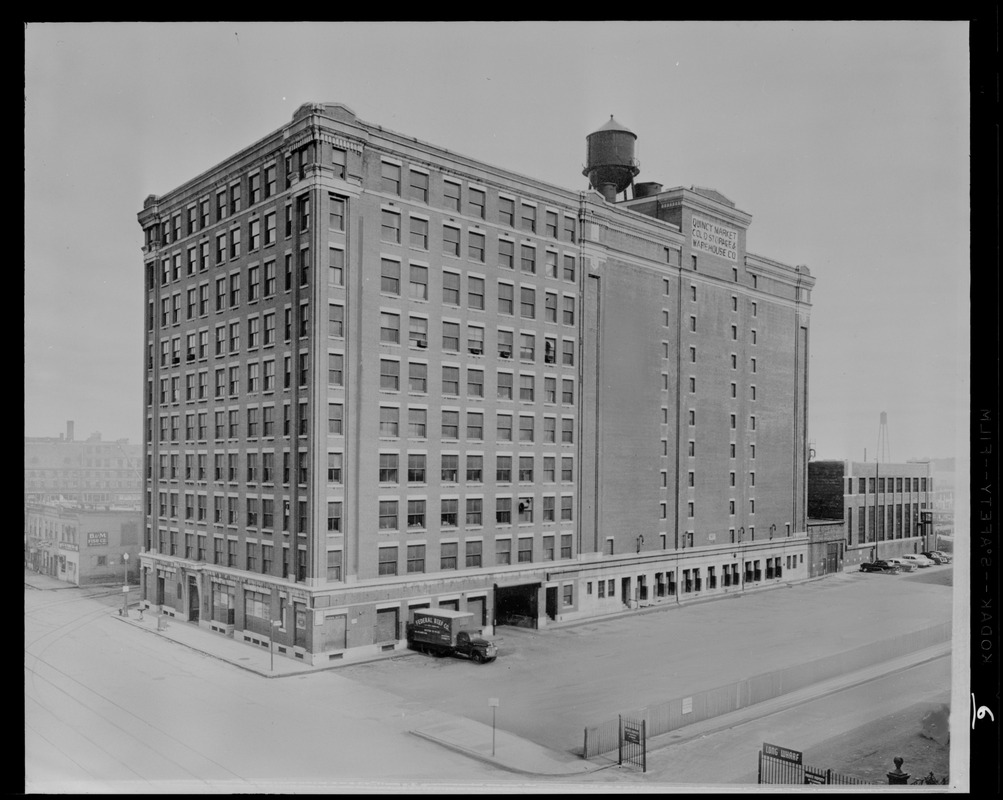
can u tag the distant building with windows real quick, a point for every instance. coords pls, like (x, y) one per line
(885, 509)
(89, 471)
(382, 376)
(82, 545)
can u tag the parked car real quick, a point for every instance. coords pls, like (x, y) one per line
(918, 560)
(879, 566)
(905, 566)
(937, 557)
(948, 558)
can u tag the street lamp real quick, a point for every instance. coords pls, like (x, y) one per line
(271, 645)
(125, 584)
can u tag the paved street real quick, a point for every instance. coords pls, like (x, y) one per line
(551, 685)
(110, 706)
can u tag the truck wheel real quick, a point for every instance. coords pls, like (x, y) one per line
(438, 653)
(478, 657)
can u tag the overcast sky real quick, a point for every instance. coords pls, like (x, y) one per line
(846, 142)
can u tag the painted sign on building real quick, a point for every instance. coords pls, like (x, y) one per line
(714, 238)
(97, 539)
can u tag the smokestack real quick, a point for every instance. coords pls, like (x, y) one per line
(69, 430)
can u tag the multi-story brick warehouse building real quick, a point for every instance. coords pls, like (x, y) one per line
(382, 376)
(885, 509)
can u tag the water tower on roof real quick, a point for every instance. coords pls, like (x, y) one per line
(610, 164)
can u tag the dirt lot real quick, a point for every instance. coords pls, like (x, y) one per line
(867, 752)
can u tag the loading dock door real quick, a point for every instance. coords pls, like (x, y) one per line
(478, 607)
(517, 605)
(386, 625)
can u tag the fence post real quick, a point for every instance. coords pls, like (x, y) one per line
(759, 776)
(644, 745)
(619, 736)
(585, 749)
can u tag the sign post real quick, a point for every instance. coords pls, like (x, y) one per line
(493, 704)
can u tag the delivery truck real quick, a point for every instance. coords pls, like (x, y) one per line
(444, 632)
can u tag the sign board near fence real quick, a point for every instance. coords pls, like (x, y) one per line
(97, 539)
(812, 775)
(782, 753)
(631, 733)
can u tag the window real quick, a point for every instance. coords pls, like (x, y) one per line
(474, 511)
(451, 336)
(526, 469)
(503, 510)
(527, 302)
(527, 347)
(567, 431)
(527, 218)
(451, 288)
(388, 467)
(504, 428)
(418, 282)
(503, 469)
(506, 254)
(389, 421)
(475, 198)
(527, 387)
(505, 385)
(335, 368)
(418, 186)
(475, 467)
(390, 227)
(417, 423)
(569, 311)
(506, 211)
(503, 551)
(450, 241)
(335, 418)
(475, 246)
(388, 558)
(388, 516)
(419, 233)
(505, 298)
(527, 259)
(505, 344)
(569, 268)
(451, 381)
(336, 320)
(473, 553)
(416, 514)
(339, 162)
(475, 383)
(475, 426)
(450, 424)
(451, 195)
(417, 377)
(390, 179)
(449, 468)
(335, 266)
(334, 467)
(550, 307)
(389, 328)
(448, 514)
(568, 392)
(526, 425)
(525, 550)
(389, 375)
(475, 292)
(475, 340)
(416, 557)
(416, 468)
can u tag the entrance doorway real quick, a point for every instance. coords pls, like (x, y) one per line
(193, 599)
(552, 602)
(160, 590)
(625, 591)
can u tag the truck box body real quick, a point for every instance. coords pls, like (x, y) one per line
(443, 631)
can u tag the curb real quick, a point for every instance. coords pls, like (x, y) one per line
(494, 762)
